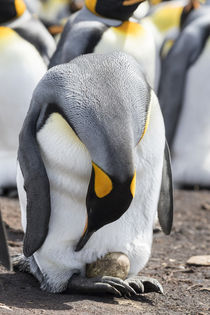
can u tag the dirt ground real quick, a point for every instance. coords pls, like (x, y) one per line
(187, 288)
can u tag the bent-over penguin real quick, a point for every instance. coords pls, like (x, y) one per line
(25, 49)
(93, 168)
(184, 98)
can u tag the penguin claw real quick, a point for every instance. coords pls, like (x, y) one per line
(136, 284)
(123, 286)
(143, 284)
(151, 285)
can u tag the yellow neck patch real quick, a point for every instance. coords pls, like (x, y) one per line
(20, 7)
(130, 28)
(133, 185)
(6, 32)
(166, 47)
(103, 184)
(146, 123)
(91, 4)
(167, 17)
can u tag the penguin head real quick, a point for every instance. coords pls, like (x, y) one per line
(107, 199)
(113, 9)
(10, 9)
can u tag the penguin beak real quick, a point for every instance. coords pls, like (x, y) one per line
(83, 240)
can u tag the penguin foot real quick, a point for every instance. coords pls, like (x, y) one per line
(143, 284)
(103, 285)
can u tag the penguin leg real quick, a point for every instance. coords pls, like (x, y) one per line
(21, 263)
(29, 265)
(143, 284)
(101, 285)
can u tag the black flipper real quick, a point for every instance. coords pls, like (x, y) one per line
(4, 251)
(182, 55)
(36, 184)
(165, 205)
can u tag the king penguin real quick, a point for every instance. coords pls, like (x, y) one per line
(184, 98)
(25, 49)
(104, 26)
(93, 169)
(163, 21)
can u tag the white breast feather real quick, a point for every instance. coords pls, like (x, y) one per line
(68, 167)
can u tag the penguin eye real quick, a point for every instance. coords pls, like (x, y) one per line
(103, 184)
(133, 185)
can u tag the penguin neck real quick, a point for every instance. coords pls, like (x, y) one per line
(10, 10)
(113, 9)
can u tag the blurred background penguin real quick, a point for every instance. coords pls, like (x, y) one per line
(103, 27)
(54, 13)
(25, 48)
(184, 97)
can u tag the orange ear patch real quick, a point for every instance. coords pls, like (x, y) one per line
(91, 5)
(131, 2)
(103, 184)
(20, 7)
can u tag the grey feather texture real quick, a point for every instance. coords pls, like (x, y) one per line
(103, 97)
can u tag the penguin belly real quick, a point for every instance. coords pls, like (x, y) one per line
(21, 69)
(68, 166)
(134, 39)
(191, 149)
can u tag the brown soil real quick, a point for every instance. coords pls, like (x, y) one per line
(187, 288)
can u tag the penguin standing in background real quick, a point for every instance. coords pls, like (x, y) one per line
(103, 26)
(184, 99)
(51, 11)
(25, 49)
(163, 21)
(93, 169)
(4, 250)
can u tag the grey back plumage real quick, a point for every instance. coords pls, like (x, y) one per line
(106, 95)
